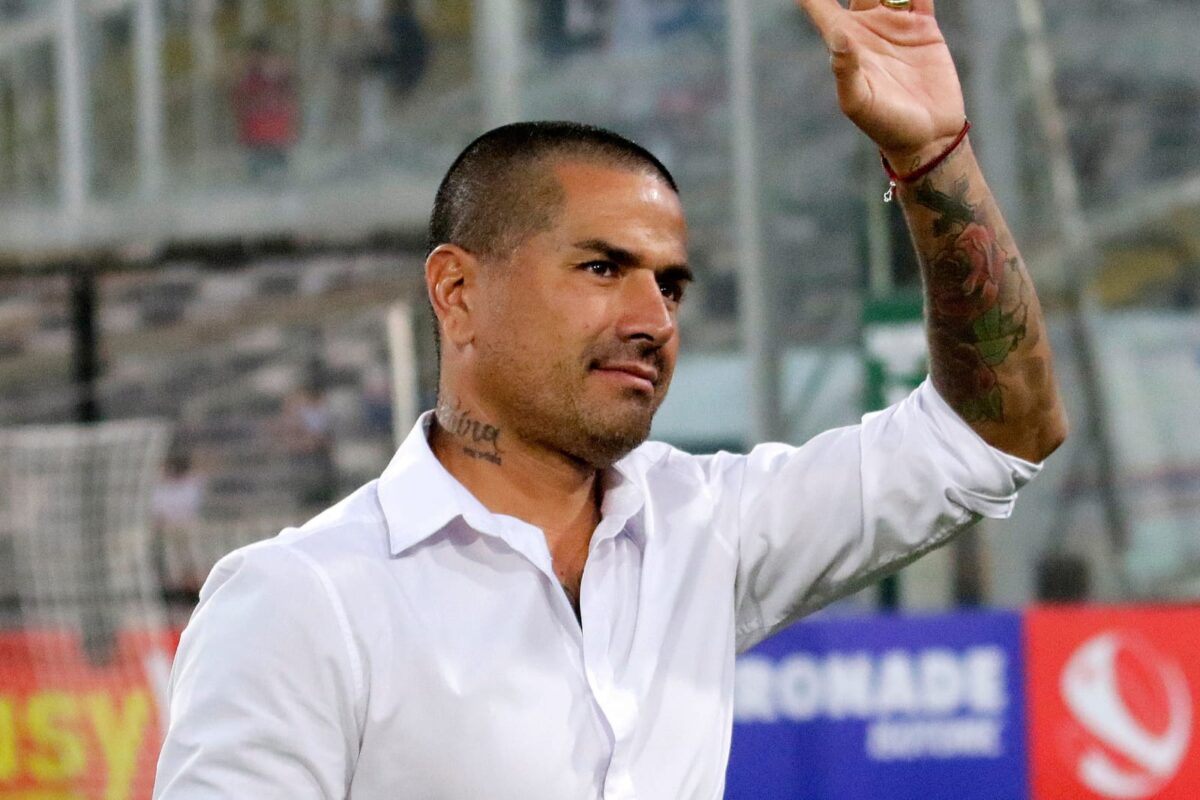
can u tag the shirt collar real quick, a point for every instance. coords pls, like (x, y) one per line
(420, 497)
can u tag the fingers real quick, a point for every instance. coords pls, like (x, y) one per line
(824, 14)
(843, 58)
(919, 6)
(853, 91)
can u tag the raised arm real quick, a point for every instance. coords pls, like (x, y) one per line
(989, 354)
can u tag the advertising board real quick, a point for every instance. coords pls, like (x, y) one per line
(1113, 696)
(73, 731)
(920, 708)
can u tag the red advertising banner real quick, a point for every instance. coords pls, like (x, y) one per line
(70, 730)
(1113, 696)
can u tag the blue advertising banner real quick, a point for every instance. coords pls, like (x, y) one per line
(901, 708)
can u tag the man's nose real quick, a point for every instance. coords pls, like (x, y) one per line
(647, 314)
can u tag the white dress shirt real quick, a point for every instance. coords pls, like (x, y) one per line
(409, 643)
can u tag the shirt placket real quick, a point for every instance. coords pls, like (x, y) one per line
(618, 705)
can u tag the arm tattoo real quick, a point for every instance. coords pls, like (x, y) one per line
(478, 439)
(978, 303)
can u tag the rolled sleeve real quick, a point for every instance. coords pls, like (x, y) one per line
(980, 478)
(264, 686)
(823, 520)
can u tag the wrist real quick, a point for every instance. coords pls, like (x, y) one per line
(906, 162)
(913, 167)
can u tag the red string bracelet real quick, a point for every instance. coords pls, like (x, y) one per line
(894, 178)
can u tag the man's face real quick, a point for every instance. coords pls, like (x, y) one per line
(576, 335)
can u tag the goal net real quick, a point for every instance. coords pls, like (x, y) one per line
(85, 651)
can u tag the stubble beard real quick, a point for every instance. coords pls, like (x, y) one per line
(561, 411)
(589, 430)
(605, 437)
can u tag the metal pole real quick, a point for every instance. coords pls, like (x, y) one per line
(73, 134)
(497, 42)
(993, 105)
(24, 127)
(309, 40)
(403, 350)
(372, 88)
(86, 344)
(880, 278)
(98, 633)
(758, 339)
(7, 124)
(150, 113)
(252, 21)
(1063, 184)
(1080, 249)
(202, 32)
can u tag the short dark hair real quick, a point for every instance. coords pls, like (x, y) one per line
(498, 191)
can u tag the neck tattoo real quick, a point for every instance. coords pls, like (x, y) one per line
(479, 440)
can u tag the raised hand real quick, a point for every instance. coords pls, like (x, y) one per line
(895, 77)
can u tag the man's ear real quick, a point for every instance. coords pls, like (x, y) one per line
(450, 276)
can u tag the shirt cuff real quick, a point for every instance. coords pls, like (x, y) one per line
(995, 475)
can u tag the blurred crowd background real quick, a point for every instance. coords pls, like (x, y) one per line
(221, 199)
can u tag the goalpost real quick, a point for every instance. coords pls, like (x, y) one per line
(402, 355)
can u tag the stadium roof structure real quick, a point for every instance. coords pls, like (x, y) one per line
(388, 202)
(51, 60)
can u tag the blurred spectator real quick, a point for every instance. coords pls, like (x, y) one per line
(265, 107)
(377, 402)
(394, 49)
(674, 16)
(569, 25)
(307, 430)
(175, 510)
(401, 52)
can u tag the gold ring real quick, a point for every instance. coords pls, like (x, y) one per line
(899, 5)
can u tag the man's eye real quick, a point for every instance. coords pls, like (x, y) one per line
(604, 269)
(672, 290)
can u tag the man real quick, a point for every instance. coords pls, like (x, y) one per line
(531, 603)
(265, 108)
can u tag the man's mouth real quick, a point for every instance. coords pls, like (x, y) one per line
(636, 374)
